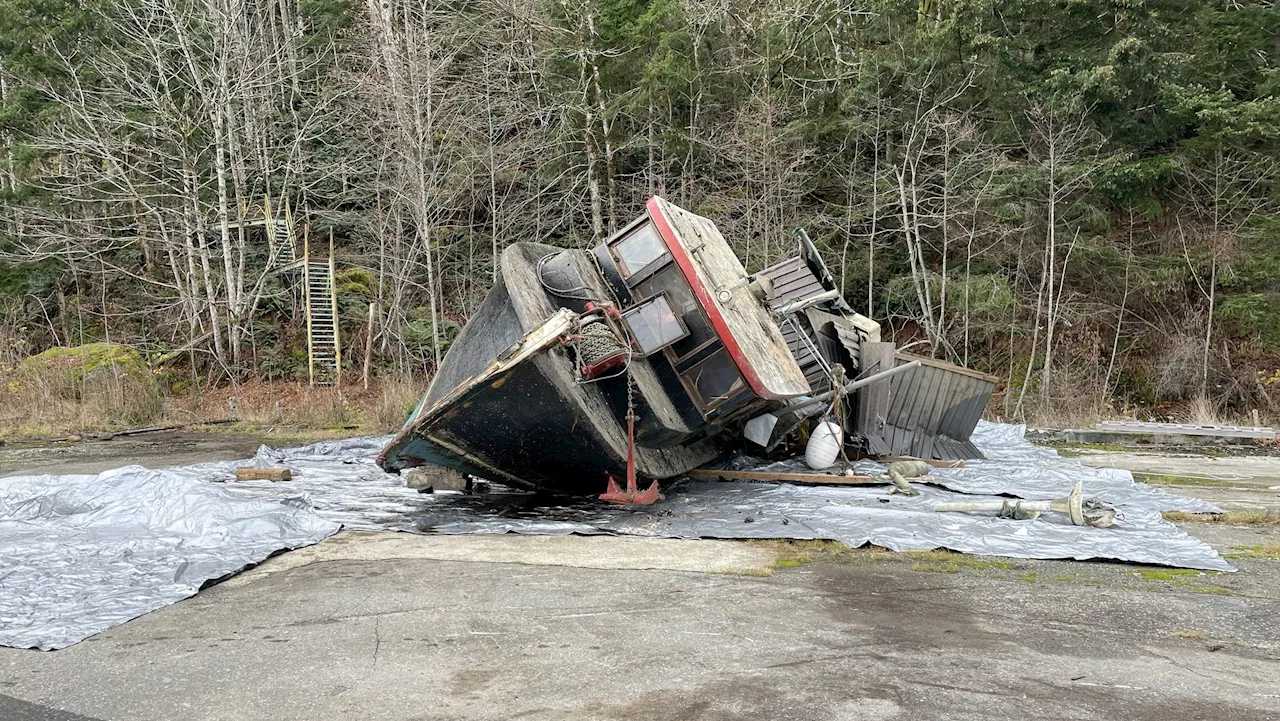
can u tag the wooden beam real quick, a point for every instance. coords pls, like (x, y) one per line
(935, 464)
(264, 474)
(816, 479)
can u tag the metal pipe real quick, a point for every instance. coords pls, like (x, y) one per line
(1082, 511)
(855, 385)
(802, 303)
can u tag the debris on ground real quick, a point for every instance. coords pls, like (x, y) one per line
(1082, 511)
(263, 474)
(900, 471)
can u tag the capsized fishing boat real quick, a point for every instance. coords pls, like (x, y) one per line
(655, 352)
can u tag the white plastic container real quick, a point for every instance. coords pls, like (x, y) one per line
(824, 446)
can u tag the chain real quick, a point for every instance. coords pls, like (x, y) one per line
(593, 343)
(631, 404)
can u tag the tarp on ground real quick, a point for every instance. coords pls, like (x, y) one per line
(79, 554)
(343, 484)
(82, 553)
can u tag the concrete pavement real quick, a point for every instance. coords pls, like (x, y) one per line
(382, 626)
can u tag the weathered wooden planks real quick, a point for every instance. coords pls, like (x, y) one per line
(817, 479)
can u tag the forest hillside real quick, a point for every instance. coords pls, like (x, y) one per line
(1078, 196)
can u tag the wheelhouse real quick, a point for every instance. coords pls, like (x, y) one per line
(695, 314)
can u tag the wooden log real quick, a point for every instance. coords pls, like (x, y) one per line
(263, 474)
(815, 479)
(934, 463)
(145, 429)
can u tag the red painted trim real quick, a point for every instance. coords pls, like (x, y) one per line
(685, 263)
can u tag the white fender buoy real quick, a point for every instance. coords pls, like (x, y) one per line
(824, 445)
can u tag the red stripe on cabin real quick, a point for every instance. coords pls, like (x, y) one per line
(685, 263)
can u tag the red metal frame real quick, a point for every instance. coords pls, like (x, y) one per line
(705, 298)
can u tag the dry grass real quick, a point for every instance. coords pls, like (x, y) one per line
(41, 405)
(1252, 517)
(1204, 411)
(382, 408)
(103, 389)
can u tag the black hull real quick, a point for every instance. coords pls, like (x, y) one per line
(507, 407)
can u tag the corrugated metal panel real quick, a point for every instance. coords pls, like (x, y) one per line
(932, 411)
(851, 338)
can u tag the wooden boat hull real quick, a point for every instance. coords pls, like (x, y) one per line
(507, 407)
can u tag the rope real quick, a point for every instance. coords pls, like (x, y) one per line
(595, 341)
(562, 292)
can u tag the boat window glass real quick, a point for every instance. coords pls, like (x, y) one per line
(654, 325)
(640, 248)
(716, 380)
(671, 283)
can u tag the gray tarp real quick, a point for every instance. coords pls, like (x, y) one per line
(82, 553)
(859, 515)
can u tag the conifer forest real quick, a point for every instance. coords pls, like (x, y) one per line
(1078, 196)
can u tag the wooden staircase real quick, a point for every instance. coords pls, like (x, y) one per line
(280, 236)
(324, 349)
(282, 244)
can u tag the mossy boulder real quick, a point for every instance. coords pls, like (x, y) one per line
(78, 372)
(87, 362)
(97, 385)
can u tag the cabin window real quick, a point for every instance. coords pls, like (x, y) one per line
(654, 325)
(715, 380)
(638, 249)
(671, 283)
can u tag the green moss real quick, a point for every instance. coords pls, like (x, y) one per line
(78, 362)
(1251, 517)
(1207, 588)
(755, 572)
(791, 562)
(1185, 579)
(1167, 574)
(951, 562)
(1270, 552)
(1029, 576)
(1167, 479)
(794, 553)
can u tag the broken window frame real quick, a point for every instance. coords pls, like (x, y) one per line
(688, 377)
